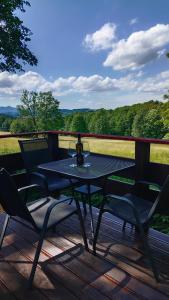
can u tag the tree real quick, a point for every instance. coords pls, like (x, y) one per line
(67, 122)
(14, 37)
(148, 124)
(166, 136)
(99, 122)
(7, 123)
(42, 109)
(153, 125)
(48, 117)
(29, 107)
(138, 122)
(78, 123)
(21, 125)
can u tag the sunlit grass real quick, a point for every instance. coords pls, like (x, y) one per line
(159, 153)
(8, 145)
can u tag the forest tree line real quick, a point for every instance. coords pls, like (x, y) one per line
(40, 111)
(149, 119)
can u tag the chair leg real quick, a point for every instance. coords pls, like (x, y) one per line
(124, 226)
(82, 225)
(4, 229)
(73, 192)
(36, 258)
(84, 206)
(97, 232)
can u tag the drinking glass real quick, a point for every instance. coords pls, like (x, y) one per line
(86, 153)
(72, 151)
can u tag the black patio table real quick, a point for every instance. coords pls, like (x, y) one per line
(100, 167)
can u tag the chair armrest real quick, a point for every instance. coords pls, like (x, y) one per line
(41, 180)
(130, 203)
(121, 198)
(25, 188)
(53, 205)
(146, 182)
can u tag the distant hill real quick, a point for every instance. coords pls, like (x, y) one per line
(12, 111)
(71, 111)
(8, 110)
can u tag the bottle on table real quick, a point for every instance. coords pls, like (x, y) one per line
(79, 152)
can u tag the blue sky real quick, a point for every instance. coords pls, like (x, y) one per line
(95, 53)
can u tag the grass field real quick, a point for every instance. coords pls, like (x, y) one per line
(159, 153)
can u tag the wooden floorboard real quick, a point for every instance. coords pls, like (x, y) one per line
(67, 271)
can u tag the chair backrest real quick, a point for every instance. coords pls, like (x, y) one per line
(35, 152)
(10, 198)
(161, 204)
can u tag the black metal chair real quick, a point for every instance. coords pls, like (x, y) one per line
(136, 211)
(43, 214)
(35, 152)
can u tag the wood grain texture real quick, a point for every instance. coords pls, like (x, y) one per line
(67, 271)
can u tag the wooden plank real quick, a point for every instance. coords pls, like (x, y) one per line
(142, 158)
(5, 294)
(57, 244)
(50, 250)
(66, 233)
(156, 172)
(125, 264)
(19, 251)
(53, 143)
(45, 250)
(16, 283)
(127, 243)
(73, 268)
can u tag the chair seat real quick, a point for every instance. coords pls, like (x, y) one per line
(55, 182)
(124, 211)
(84, 190)
(38, 211)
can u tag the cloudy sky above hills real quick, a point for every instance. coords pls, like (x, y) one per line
(104, 53)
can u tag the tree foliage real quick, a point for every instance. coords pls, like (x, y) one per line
(138, 122)
(149, 119)
(99, 122)
(5, 122)
(78, 123)
(153, 126)
(14, 37)
(21, 125)
(42, 109)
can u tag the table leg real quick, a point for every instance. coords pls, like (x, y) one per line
(90, 209)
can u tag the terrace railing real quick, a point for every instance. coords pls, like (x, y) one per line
(144, 168)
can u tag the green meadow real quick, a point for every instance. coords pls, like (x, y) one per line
(159, 153)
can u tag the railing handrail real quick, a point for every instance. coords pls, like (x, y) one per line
(4, 136)
(92, 135)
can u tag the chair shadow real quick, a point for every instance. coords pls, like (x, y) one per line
(70, 260)
(141, 262)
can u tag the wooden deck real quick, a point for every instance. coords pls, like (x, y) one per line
(67, 271)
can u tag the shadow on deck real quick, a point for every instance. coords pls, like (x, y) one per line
(67, 271)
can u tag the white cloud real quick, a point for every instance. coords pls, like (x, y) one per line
(11, 83)
(139, 48)
(133, 21)
(101, 39)
(157, 84)
(11, 86)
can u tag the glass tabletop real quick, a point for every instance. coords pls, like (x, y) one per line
(100, 166)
